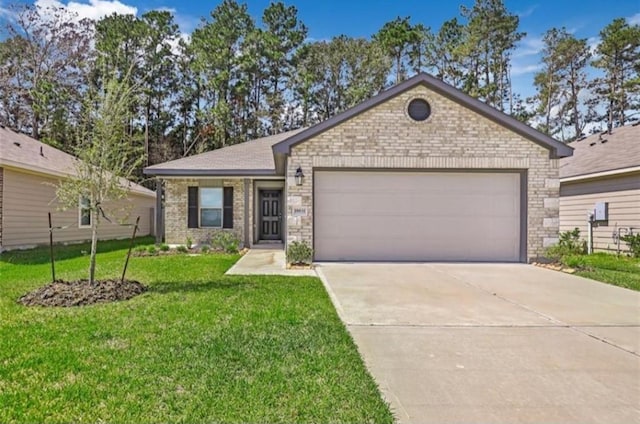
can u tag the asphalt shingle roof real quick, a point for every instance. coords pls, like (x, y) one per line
(251, 156)
(603, 152)
(23, 152)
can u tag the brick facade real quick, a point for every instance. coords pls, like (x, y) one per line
(176, 210)
(453, 137)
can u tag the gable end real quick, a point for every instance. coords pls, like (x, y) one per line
(556, 148)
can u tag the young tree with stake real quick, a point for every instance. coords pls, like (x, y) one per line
(107, 156)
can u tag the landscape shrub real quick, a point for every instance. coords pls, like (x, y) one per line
(226, 241)
(633, 240)
(299, 252)
(569, 243)
(164, 247)
(182, 249)
(140, 249)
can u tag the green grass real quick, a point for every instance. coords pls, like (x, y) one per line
(621, 271)
(197, 347)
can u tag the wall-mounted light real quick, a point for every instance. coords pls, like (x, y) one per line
(299, 176)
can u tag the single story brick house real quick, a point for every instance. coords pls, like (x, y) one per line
(603, 174)
(420, 172)
(29, 171)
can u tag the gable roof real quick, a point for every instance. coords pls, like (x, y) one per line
(23, 152)
(265, 156)
(253, 157)
(604, 152)
(556, 148)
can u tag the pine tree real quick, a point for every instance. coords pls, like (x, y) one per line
(618, 55)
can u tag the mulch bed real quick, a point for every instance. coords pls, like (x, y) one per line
(175, 252)
(300, 266)
(556, 266)
(81, 293)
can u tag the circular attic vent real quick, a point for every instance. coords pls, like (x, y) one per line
(419, 109)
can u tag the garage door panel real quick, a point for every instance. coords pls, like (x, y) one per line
(416, 216)
(396, 205)
(415, 250)
(444, 227)
(412, 204)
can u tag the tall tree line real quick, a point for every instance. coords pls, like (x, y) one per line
(237, 77)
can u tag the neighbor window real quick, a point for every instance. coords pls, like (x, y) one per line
(84, 212)
(211, 207)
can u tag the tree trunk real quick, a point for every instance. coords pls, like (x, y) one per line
(146, 132)
(548, 117)
(35, 130)
(610, 115)
(95, 218)
(622, 105)
(574, 99)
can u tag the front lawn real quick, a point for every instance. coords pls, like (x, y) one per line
(620, 270)
(197, 347)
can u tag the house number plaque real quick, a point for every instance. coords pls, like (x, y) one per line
(299, 212)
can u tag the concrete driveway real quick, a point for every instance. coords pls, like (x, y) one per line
(493, 343)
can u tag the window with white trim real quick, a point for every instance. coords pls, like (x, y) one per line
(211, 207)
(84, 212)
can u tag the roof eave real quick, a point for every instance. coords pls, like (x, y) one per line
(556, 149)
(600, 174)
(48, 173)
(158, 172)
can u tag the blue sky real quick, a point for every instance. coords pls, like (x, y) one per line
(362, 18)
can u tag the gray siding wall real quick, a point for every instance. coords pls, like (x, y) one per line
(623, 195)
(1, 197)
(27, 198)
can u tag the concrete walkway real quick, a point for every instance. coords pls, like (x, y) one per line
(266, 261)
(493, 343)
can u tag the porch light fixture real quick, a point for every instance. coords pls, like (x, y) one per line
(299, 176)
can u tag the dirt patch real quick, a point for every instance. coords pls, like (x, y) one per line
(81, 293)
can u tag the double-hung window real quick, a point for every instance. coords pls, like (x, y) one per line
(84, 212)
(211, 207)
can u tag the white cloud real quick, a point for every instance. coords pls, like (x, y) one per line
(166, 9)
(527, 12)
(517, 69)
(6, 12)
(529, 46)
(95, 9)
(593, 42)
(634, 20)
(186, 23)
(175, 44)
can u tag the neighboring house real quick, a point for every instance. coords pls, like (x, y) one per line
(29, 171)
(604, 171)
(419, 172)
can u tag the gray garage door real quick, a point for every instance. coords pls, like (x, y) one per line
(416, 216)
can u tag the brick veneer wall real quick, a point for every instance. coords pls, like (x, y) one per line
(453, 137)
(176, 209)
